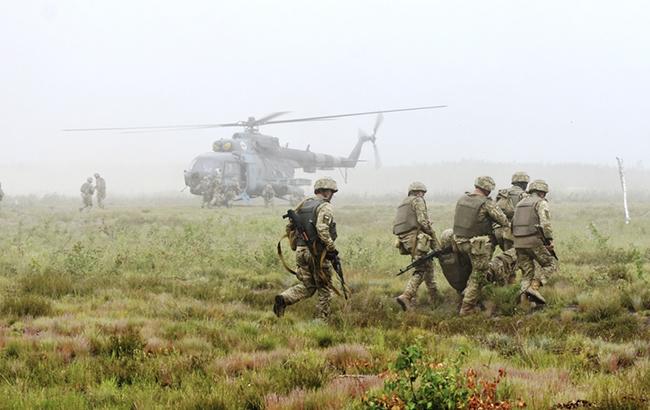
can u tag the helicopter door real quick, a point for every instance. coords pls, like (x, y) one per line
(232, 172)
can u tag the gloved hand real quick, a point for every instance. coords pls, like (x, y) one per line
(331, 255)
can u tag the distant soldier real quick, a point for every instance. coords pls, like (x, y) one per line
(2, 194)
(217, 190)
(205, 188)
(532, 215)
(100, 187)
(231, 191)
(268, 194)
(507, 200)
(87, 191)
(473, 220)
(415, 237)
(314, 266)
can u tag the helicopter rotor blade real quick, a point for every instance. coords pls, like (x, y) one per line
(158, 127)
(269, 117)
(262, 121)
(325, 117)
(376, 151)
(378, 122)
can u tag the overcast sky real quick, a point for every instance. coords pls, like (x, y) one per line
(545, 81)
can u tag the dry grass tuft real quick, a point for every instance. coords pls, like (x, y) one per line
(331, 397)
(348, 356)
(236, 364)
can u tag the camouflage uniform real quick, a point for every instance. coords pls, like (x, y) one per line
(87, 191)
(100, 186)
(206, 191)
(529, 214)
(507, 200)
(231, 191)
(473, 220)
(415, 237)
(268, 194)
(457, 267)
(503, 267)
(312, 278)
(217, 191)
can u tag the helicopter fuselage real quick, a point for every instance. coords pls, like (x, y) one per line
(253, 160)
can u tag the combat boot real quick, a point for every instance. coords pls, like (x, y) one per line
(467, 309)
(404, 302)
(533, 292)
(279, 306)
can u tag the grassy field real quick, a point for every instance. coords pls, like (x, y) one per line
(170, 306)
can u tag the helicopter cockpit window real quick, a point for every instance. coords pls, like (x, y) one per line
(206, 165)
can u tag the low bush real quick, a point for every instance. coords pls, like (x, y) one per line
(26, 305)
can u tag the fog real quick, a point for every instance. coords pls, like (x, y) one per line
(527, 84)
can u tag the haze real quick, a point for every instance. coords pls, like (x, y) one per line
(525, 82)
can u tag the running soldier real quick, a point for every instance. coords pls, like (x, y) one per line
(474, 217)
(530, 225)
(415, 237)
(314, 266)
(507, 200)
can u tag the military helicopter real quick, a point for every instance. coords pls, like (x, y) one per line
(250, 160)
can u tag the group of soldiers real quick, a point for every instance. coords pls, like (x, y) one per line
(88, 190)
(216, 193)
(518, 222)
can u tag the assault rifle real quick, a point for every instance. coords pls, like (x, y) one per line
(422, 259)
(546, 242)
(332, 257)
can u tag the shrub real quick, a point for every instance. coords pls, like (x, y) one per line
(26, 305)
(418, 384)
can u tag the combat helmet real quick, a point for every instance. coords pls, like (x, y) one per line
(417, 186)
(96, 175)
(446, 238)
(485, 182)
(538, 185)
(325, 183)
(89, 179)
(520, 177)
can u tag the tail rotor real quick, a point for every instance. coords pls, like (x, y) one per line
(373, 138)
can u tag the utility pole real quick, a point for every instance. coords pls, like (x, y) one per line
(621, 175)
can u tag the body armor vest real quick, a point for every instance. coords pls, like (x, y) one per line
(308, 214)
(405, 220)
(514, 195)
(526, 219)
(466, 221)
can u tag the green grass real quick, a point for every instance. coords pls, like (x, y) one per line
(170, 307)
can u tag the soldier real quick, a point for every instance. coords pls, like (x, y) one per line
(268, 194)
(87, 190)
(507, 200)
(314, 269)
(100, 187)
(2, 194)
(217, 190)
(415, 237)
(531, 214)
(473, 220)
(230, 192)
(205, 187)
